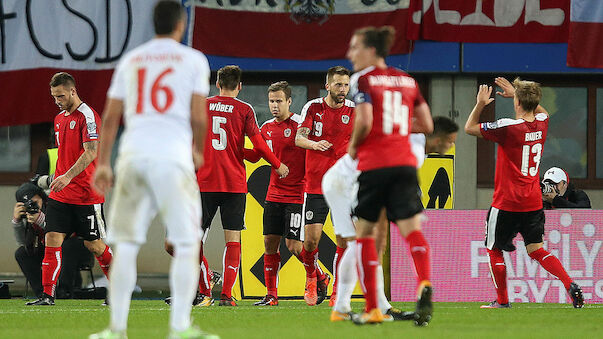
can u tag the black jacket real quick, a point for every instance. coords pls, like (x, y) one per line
(573, 198)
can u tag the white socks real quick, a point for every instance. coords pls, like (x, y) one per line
(123, 280)
(184, 278)
(346, 279)
(382, 302)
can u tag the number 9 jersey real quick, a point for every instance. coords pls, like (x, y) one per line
(393, 95)
(517, 178)
(156, 82)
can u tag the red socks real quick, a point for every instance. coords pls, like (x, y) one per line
(336, 260)
(232, 258)
(309, 259)
(204, 274)
(367, 270)
(499, 275)
(51, 268)
(104, 260)
(272, 264)
(552, 265)
(421, 255)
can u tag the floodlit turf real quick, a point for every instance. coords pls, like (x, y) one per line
(293, 319)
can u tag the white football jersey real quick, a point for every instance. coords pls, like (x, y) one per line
(156, 81)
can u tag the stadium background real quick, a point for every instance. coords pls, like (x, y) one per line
(449, 61)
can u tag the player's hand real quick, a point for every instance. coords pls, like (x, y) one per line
(548, 197)
(506, 86)
(198, 159)
(103, 179)
(483, 95)
(32, 218)
(18, 211)
(282, 171)
(59, 183)
(322, 145)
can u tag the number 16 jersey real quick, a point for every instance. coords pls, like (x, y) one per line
(229, 120)
(156, 82)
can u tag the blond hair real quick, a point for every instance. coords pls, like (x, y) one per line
(528, 93)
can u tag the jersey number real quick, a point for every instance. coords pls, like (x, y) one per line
(536, 149)
(394, 113)
(317, 128)
(156, 89)
(216, 128)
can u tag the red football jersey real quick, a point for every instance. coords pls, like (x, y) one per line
(280, 136)
(325, 123)
(520, 144)
(393, 95)
(71, 131)
(229, 120)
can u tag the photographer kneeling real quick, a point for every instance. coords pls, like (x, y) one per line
(557, 192)
(29, 224)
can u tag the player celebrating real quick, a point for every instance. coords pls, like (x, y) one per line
(339, 188)
(223, 181)
(73, 206)
(517, 201)
(161, 87)
(325, 133)
(283, 207)
(387, 101)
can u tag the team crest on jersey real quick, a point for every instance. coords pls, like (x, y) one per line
(309, 215)
(287, 132)
(91, 127)
(72, 125)
(345, 119)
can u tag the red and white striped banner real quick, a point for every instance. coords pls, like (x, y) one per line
(585, 48)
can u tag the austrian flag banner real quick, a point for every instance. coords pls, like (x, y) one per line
(300, 30)
(584, 48)
(489, 20)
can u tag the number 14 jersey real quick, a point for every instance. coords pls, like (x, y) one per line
(517, 178)
(229, 120)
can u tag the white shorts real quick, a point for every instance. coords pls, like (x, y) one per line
(147, 187)
(340, 187)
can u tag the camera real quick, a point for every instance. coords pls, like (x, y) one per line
(42, 181)
(547, 187)
(31, 207)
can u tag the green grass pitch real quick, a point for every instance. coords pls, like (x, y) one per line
(293, 319)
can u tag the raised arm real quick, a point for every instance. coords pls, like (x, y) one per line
(482, 100)
(508, 91)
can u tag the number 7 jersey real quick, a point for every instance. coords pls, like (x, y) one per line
(517, 178)
(393, 95)
(156, 82)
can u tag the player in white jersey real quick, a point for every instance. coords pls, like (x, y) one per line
(340, 186)
(161, 88)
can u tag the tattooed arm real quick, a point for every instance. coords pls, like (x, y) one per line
(90, 150)
(301, 140)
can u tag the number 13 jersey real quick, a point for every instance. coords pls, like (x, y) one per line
(229, 120)
(517, 177)
(393, 95)
(156, 82)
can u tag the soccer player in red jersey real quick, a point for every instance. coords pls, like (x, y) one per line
(283, 206)
(222, 180)
(325, 133)
(73, 205)
(517, 201)
(388, 106)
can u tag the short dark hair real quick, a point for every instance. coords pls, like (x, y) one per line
(166, 15)
(443, 126)
(382, 38)
(281, 86)
(229, 77)
(62, 79)
(340, 70)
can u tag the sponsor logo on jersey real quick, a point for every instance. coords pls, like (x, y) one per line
(91, 126)
(220, 107)
(294, 231)
(345, 119)
(287, 132)
(269, 133)
(309, 215)
(320, 115)
(72, 125)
